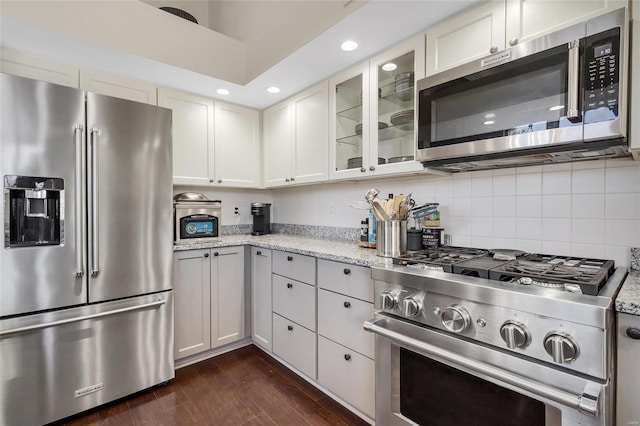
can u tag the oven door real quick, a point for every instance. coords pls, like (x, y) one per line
(426, 377)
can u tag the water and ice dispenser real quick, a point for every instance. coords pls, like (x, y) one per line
(34, 211)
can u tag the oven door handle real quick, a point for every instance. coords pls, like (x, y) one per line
(585, 403)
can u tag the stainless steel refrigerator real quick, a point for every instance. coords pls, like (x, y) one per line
(86, 307)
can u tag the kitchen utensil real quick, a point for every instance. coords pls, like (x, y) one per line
(403, 84)
(506, 254)
(371, 194)
(379, 210)
(402, 117)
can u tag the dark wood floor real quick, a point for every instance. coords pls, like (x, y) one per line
(243, 387)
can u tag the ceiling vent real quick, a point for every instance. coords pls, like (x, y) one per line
(181, 13)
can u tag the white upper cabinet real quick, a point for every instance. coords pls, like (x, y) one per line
(466, 37)
(311, 130)
(527, 19)
(208, 152)
(237, 146)
(296, 139)
(24, 65)
(372, 114)
(118, 87)
(278, 145)
(192, 136)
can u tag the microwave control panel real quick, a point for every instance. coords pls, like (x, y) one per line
(602, 61)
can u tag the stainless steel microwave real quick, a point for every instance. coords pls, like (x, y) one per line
(560, 97)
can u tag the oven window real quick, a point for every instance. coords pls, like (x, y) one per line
(432, 393)
(523, 96)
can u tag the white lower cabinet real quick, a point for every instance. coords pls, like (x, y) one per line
(295, 344)
(341, 319)
(295, 300)
(347, 374)
(261, 297)
(209, 299)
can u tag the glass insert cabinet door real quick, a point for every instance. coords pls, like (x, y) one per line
(350, 130)
(393, 111)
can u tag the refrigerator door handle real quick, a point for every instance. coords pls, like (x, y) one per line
(95, 263)
(158, 302)
(78, 131)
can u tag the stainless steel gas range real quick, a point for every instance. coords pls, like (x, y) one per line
(470, 336)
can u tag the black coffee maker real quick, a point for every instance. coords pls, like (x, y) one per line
(261, 213)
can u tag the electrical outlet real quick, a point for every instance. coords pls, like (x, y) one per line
(332, 210)
(236, 211)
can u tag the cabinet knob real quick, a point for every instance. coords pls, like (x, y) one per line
(347, 271)
(289, 285)
(290, 327)
(493, 49)
(210, 180)
(513, 41)
(286, 180)
(292, 178)
(362, 169)
(219, 180)
(634, 333)
(215, 253)
(289, 258)
(347, 357)
(347, 304)
(206, 255)
(259, 253)
(372, 168)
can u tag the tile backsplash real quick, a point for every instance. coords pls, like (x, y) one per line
(589, 209)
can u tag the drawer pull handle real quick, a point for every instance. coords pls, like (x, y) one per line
(215, 253)
(634, 333)
(289, 285)
(206, 255)
(347, 271)
(347, 357)
(259, 253)
(289, 258)
(347, 304)
(290, 327)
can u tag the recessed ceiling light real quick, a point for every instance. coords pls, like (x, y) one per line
(389, 66)
(349, 45)
(490, 115)
(489, 122)
(222, 91)
(273, 89)
(556, 108)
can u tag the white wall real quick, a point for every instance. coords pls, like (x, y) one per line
(585, 209)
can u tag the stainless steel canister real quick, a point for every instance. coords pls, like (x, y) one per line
(391, 238)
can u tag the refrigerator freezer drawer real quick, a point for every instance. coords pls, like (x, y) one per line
(60, 363)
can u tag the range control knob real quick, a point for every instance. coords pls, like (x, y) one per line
(515, 334)
(388, 300)
(411, 307)
(561, 346)
(455, 318)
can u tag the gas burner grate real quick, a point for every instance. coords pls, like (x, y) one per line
(569, 273)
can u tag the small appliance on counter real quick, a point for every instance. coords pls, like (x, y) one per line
(261, 213)
(195, 217)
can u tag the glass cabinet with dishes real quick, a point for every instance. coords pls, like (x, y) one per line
(373, 113)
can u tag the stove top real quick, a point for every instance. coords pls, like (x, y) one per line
(565, 273)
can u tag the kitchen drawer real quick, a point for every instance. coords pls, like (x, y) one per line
(340, 318)
(352, 280)
(295, 266)
(348, 374)
(295, 344)
(295, 301)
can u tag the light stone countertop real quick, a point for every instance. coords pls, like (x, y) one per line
(322, 249)
(628, 300)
